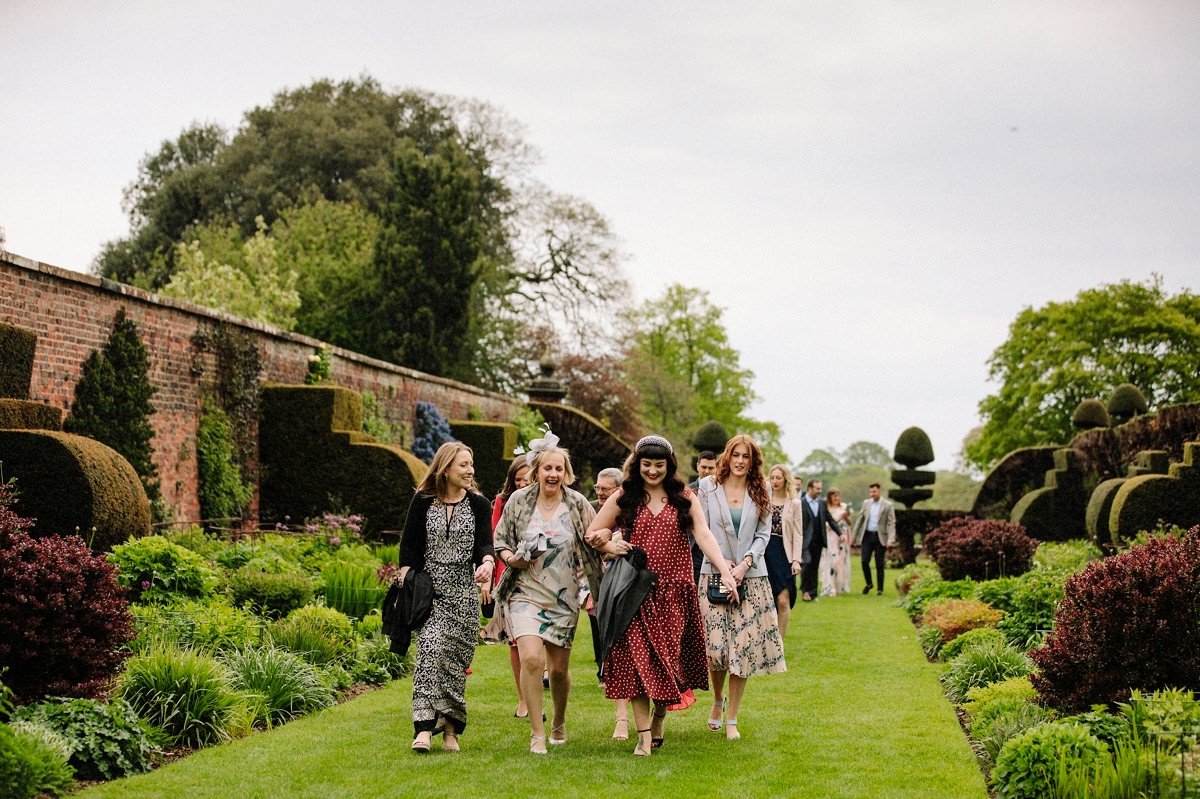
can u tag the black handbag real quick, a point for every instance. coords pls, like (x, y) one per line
(714, 591)
(717, 594)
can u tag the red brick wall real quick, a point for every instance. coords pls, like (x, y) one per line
(72, 314)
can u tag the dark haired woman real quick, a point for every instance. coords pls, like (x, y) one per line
(517, 477)
(743, 637)
(661, 654)
(447, 534)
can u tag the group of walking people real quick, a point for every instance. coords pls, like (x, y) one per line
(531, 550)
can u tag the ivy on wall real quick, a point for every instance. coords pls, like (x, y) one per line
(235, 387)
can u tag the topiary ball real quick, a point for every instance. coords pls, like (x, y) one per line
(1090, 413)
(913, 448)
(711, 436)
(1125, 403)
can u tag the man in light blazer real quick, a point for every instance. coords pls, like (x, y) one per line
(815, 515)
(875, 531)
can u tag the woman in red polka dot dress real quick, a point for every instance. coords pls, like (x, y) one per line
(662, 653)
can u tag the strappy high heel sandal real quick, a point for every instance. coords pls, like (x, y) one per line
(714, 724)
(656, 743)
(537, 744)
(641, 750)
(731, 727)
(559, 730)
(621, 730)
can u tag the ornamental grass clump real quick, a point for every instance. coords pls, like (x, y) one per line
(1126, 622)
(976, 637)
(980, 665)
(279, 685)
(352, 588)
(980, 549)
(322, 636)
(64, 621)
(188, 694)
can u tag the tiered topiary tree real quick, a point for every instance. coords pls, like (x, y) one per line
(913, 449)
(1125, 403)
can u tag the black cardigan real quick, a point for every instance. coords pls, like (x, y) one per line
(412, 545)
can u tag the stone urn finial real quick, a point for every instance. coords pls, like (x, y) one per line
(546, 387)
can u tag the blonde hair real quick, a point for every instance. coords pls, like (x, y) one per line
(435, 480)
(789, 488)
(536, 464)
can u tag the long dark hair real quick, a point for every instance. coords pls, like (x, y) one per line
(633, 488)
(510, 479)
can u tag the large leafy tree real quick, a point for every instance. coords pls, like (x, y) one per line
(428, 262)
(687, 372)
(333, 147)
(1064, 352)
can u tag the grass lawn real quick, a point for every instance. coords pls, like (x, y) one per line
(858, 714)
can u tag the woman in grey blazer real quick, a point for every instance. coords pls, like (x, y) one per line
(742, 637)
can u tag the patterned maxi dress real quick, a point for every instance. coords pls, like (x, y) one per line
(446, 644)
(662, 653)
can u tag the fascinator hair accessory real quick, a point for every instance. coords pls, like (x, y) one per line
(654, 441)
(545, 444)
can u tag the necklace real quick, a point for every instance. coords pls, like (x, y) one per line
(548, 505)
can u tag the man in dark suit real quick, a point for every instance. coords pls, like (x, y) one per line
(815, 514)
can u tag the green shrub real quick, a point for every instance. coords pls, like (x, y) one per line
(1066, 557)
(107, 739)
(235, 555)
(1003, 719)
(1090, 413)
(980, 635)
(1162, 713)
(1108, 727)
(319, 635)
(280, 685)
(30, 767)
(222, 492)
(1034, 606)
(270, 594)
(930, 639)
(155, 570)
(193, 537)
(1027, 767)
(979, 697)
(912, 574)
(352, 588)
(999, 592)
(983, 664)
(17, 346)
(933, 589)
(214, 626)
(186, 693)
(1126, 402)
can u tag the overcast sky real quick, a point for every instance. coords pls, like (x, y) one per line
(871, 190)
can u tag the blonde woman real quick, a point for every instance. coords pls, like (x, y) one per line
(786, 547)
(743, 636)
(540, 541)
(447, 534)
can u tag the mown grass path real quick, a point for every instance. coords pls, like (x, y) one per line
(858, 714)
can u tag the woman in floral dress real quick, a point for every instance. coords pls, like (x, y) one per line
(540, 541)
(743, 637)
(448, 534)
(661, 654)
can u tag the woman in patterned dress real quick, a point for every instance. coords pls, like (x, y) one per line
(838, 545)
(537, 599)
(783, 553)
(743, 637)
(661, 654)
(447, 533)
